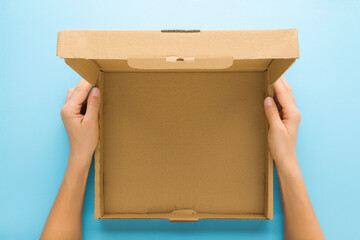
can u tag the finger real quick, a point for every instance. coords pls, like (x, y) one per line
(272, 112)
(93, 104)
(283, 95)
(290, 114)
(283, 80)
(80, 92)
(278, 105)
(287, 86)
(277, 101)
(69, 93)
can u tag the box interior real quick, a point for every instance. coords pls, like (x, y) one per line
(184, 140)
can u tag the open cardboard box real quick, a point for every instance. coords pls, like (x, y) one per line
(183, 133)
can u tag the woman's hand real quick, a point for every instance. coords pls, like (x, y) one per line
(300, 220)
(284, 119)
(65, 218)
(82, 127)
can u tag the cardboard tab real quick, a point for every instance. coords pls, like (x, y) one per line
(182, 219)
(87, 69)
(183, 215)
(181, 63)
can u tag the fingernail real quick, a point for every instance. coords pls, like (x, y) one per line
(95, 92)
(269, 101)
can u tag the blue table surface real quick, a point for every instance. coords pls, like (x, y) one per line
(34, 82)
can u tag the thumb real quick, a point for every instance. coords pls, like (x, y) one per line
(93, 104)
(271, 111)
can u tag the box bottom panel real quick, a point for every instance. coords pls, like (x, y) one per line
(184, 141)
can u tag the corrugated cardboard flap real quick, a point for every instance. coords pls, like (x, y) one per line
(88, 51)
(239, 44)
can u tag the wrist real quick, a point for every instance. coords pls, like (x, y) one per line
(288, 165)
(75, 178)
(84, 154)
(78, 163)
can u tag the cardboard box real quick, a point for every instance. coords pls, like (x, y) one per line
(183, 133)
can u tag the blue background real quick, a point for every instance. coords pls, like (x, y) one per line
(34, 82)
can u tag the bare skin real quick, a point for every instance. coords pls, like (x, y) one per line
(65, 218)
(300, 221)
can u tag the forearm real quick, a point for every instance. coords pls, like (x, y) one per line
(300, 220)
(65, 218)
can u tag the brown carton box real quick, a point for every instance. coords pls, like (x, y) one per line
(183, 133)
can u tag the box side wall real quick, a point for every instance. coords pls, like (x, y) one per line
(268, 205)
(99, 177)
(277, 67)
(184, 218)
(246, 65)
(87, 69)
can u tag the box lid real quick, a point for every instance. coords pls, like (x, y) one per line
(89, 51)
